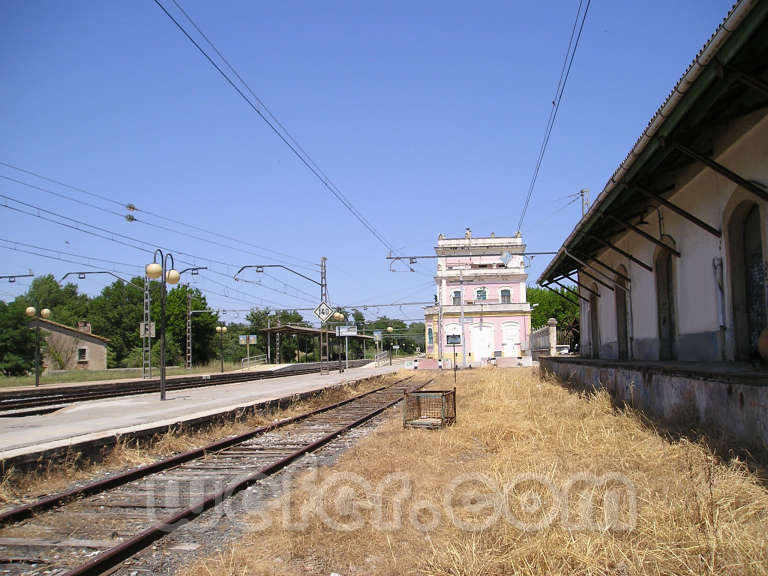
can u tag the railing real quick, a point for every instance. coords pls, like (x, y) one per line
(540, 339)
(251, 361)
(381, 357)
(544, 340)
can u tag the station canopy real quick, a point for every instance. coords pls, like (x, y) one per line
(306, 331)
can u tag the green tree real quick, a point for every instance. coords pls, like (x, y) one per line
(204, 342)
(550, 305)
(116, 314)
(64, 302)
(17, 341)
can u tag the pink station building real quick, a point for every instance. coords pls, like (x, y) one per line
(483, 280)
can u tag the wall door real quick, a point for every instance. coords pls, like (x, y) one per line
(665, 304)
(622, 326)
(482, 341)
(510, 339)
(594, 325)
(747, 279)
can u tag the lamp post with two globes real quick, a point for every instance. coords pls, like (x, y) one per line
(221, 330)
(170, 275)
(32, 312)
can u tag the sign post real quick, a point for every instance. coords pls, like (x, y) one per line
(452, 340)
(346, 331)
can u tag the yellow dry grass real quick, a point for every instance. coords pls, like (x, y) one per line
(60, 474)
(693, 513)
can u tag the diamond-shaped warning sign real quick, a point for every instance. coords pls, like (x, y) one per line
(323, 311)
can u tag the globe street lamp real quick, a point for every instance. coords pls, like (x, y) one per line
(31, 311)
(170, 275)
(221, 330)
(389, 331)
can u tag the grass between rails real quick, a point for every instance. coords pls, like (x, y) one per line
(488, 497)
(16, 488)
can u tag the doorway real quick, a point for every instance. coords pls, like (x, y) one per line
(594, 324)
(747, 278)
(665, 304)
(622, 324)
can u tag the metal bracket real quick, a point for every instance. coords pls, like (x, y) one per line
(595, 278)
(644, 234)
(622, 252)
(571, 290)
(563, 296)
(604, 265)
(677, 210)
(756, 189)
(580, 285)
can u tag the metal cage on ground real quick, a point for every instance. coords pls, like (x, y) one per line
(429, 409)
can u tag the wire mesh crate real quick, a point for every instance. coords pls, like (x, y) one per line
(429, 408)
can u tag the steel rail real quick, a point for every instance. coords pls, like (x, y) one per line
(112, 557)
(60, 397)
(23, 512)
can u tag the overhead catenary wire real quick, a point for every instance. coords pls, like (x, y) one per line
(277, 128)
(564, 74)
(132, 218)
(106, 234)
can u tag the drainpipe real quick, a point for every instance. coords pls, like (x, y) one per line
(717, 267)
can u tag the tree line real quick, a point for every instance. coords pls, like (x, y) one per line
(117, 312)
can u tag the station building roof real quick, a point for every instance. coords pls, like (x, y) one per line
(727, 79)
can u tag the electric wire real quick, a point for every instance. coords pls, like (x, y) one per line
(146, 223)
(564, 74)
(283, 135)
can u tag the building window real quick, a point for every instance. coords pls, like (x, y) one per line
(430, 337)
(506, 296)
(82, 354)
(481, 294)
(457, 298)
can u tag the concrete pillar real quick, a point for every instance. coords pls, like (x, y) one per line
(552, 324)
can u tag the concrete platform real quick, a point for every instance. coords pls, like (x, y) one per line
(98, 419)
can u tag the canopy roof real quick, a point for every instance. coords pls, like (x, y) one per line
(728, 79)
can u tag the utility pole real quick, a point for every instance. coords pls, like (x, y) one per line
(189, 330)
(323, 333)
(146, 340)
(463, 340)
(584, 193)
(269, 340)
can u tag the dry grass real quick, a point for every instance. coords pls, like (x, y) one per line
(695, 514)
(60, 474)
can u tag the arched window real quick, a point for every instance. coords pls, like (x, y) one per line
(430, 336)
(506, 296)
(622, 324)
(747, 278)
(665, 304)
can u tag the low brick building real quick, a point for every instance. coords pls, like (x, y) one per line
(68, 348)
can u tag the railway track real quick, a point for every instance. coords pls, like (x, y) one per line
(43, 400)
(90, 529)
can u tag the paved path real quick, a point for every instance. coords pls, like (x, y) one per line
(103, 418)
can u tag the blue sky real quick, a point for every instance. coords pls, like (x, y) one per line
(427, 115)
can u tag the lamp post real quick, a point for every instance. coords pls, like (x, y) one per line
(389, 331)
(154, 271)
(31, 311)
(221, 330)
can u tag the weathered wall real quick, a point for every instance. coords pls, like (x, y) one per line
(743, 148)
(728, 406)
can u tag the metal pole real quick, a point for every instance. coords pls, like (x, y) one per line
(463, 339)
(37, 352)
(346, 352)
(162, 335)
(269, 340)
(221, 347)
(189, 330)
(584, 201)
